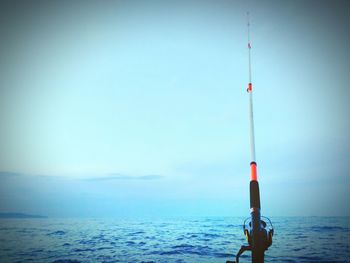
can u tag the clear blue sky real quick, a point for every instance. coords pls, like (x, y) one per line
(139, 108)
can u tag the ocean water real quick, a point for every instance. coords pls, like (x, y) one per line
(213, 239)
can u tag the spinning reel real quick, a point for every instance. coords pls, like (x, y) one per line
(266, 231)
(263, 236)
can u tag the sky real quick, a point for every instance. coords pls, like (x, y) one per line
(139, 108)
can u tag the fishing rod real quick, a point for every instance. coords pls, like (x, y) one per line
(258, 233)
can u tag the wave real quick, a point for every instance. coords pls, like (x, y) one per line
(57, 233)
(329, 228)
(66, 261)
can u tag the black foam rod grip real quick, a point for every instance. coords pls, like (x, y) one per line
(254, 194)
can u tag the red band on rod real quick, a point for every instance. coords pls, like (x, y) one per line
(253, 173)
(250, 87)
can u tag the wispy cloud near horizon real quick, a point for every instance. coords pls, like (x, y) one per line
(9, 174)
(118, 176)
(104, 177)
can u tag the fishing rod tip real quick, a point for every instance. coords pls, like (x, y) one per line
(248, 18)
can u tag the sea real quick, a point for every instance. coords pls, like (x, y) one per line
(195, 239)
